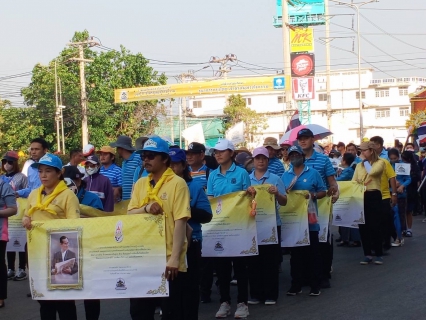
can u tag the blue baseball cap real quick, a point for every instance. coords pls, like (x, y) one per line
(177, 155)
(297, 149)
(49, 160)
(155, 144)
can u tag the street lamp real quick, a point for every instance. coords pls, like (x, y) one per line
(356, 7)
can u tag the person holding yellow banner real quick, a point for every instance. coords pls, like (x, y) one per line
(163, 193)
(302, 177)
(52, 200)
(369, 172)
(264, 268)
(225, 179)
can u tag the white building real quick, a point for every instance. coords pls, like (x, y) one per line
(386, 106)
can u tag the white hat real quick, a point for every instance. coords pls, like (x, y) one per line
(88, 149)
(224, 144)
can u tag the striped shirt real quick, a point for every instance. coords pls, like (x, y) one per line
(276, 167)
(322, 164)
(113, 173)
(200, 175)
(127, 172)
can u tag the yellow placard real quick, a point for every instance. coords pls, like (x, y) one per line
(348, 211)
(324, 214)
(302, 40)
(203, 88)
(266, 218)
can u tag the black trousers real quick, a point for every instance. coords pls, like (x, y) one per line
(11, 257)
(326, 251)
(92, 308)
(172, 307)
(206, 275)
(3, 271)
(191, 293)
(65, 309)
(224, 275)
(309, 256)
(388, 226)
(371, 231)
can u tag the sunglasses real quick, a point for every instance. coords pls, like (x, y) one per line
(7, 161)
(149, 156)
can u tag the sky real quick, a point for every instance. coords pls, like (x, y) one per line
(191, 31)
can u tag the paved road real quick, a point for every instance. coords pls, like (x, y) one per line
(395, 290)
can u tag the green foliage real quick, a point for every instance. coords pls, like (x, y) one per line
(237, 111)
(108, 71)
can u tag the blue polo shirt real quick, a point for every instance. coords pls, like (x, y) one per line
(235, 179)
(309, 180)
(273, 179)
(275, 166)
(198, 200)
(200, 175)
(346, 174)
(384, 154)
(138, 174)
(128, 170)
(322, 164)
(113, 173)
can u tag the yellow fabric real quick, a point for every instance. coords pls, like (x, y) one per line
(174, 194)
(43, 202)
(152, 195)
(389, 173)
(65, 205)
(371, 181)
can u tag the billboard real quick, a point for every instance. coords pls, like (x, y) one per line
(302, 39)
(303, 12)
(302, 64)
(203, 88)
(303, 88)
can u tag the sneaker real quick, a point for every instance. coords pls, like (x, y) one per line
(224, 310)
(20, 275)
(10, 274)
(242, 311)
(294, 291)
(234, 282)
(366, 260)
(408, 234)
(253, 301)
(398, 243)
(270, 302)
(314, 293)
(379, 261)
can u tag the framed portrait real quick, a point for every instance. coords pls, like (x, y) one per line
(65, 259)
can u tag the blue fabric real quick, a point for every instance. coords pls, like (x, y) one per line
(403, 181)
(275, 166)
(198, 200)
(322, 164)
(384, 154)
(33, 183)
(273, 179)
(137, 172)
(346, 174)
(397, 222)
(49, 160)
(113, 173)
(235, 179)
(309, 180)
(127, 172)
(357, 160)
(90, 199)
(200, 175)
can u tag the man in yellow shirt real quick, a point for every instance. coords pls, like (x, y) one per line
(162, 192)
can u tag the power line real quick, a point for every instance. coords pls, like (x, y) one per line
(394, 9)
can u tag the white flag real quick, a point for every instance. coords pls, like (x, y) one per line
(194, 133)
(236, 133)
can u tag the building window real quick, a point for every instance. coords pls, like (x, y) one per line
(403, 91)
(404, 112)
(381, 93)
(281, 99)
(248, 101)
(322, 97)
(362, 95)
(382, 113)
(196, 104)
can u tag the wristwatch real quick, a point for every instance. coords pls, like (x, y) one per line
(394, 194)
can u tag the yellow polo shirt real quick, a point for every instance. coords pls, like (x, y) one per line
(388, 174)
(371, 180)
(174, 194)
(65, 205)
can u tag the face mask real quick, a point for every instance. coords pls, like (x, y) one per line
(393, 162)
(91, 171)
(8, 167)
(296, 162)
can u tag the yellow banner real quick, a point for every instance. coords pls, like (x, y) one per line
(302, 39)
(348, 211)
(324, 213)
(99, 258)
(204, 88)
(266, 218)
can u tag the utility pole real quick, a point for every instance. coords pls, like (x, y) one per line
(58, 142)
(327, 67)
(83, 98)
(286, 56)
(224, 69)
(61, 107)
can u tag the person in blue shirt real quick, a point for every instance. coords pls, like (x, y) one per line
(402, 183)
(201, 212)
(225, 179)
(263, 269)
(275, 166)
(302, 177)
(379, 147)
(352, 148)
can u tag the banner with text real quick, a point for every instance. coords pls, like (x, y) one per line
(348, 211)
(325, 208)
(302, 39)
(266, 218)
(17, 233)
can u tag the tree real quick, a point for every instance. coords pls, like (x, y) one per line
(237, 111)
(109, 70)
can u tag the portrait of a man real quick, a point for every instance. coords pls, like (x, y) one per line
(64, 253)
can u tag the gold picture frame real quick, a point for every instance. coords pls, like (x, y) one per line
(65, 282)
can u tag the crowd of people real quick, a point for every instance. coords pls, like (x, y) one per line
(192, 176)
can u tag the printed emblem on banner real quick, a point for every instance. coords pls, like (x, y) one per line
(279, 83)
(219, 206)
(302, 64)
(163, 196)
(218, 246)
(338, 217)
(400, 170)
(119, 231)
(123, 95)
(16, 243)
(120, 284)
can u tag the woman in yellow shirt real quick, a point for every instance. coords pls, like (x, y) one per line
(52, 200)
(369, 173)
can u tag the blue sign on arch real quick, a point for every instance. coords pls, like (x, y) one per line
(304, 12)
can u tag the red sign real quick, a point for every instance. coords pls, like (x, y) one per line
(302, 64)
(303, 88)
